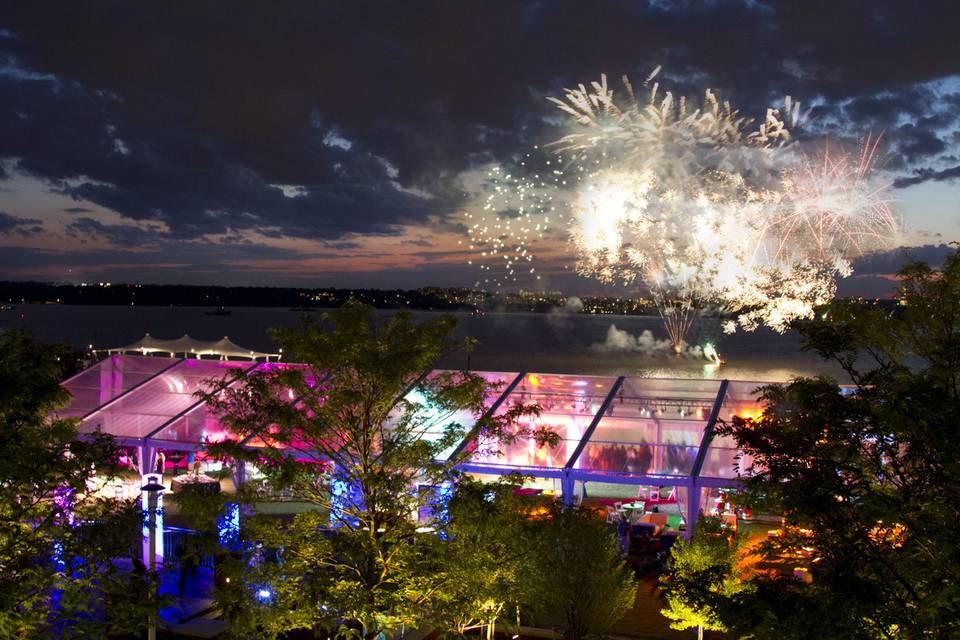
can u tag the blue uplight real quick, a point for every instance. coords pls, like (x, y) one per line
(228, 526)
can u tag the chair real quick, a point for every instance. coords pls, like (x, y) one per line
(670, 498)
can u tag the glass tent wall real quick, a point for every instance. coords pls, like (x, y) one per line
(109, 379)
(568, 406)
(436, 423)
(651, 427)
(164, 400)
(614, 432)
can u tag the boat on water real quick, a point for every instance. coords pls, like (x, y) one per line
(219, 311)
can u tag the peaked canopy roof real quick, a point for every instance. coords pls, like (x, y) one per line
(612, 429)
(191, 347)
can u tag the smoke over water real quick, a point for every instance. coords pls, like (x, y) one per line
(619, 341)
(559, 318)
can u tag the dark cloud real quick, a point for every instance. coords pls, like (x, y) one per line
(326, 120)
(160, 261)
(916, 143)
(22, 226)
(879, 110)
(926, 175)
(875, 274)
(123, 235)
(418, 242)
(68, 135)
(344, 245)
(885, 263)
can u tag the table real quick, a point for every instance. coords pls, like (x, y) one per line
(628, 508)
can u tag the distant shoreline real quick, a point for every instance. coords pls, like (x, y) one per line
(316, 299)
(312, 300)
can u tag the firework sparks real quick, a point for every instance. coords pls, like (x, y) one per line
(697, 204)
(673, 203)
(831, 209)
(661, 125)
(833, 206)
(514, 216)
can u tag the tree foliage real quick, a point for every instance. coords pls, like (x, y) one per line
(489, 560)
(352, 432)
(583, 586)
(58, 539)
(868, 477)
(703, 575)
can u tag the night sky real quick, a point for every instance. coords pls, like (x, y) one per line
(338, 143)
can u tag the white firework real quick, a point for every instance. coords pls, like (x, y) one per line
(697, 204)
(512, 217)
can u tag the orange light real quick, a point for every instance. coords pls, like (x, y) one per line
(533, 380)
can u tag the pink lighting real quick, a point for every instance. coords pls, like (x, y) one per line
(637, 427)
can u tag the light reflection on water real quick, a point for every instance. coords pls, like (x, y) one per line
(550, 343)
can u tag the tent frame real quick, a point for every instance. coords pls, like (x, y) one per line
(568, 474)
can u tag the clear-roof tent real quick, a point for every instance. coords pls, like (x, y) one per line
(612, 429)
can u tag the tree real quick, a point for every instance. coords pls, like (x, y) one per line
(490, 557)
(583, 585)
(353, 432)
(702, 576)
(868, 477)
(58, 539)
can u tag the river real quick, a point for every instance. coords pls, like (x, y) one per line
(536, 342)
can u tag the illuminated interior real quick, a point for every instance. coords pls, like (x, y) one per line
(435, 422)
(567, 405)
(614, 432)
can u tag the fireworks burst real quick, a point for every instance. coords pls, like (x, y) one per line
(677, 192)
(696, 204)
(663, 124)
(833, 206)
(702, 206)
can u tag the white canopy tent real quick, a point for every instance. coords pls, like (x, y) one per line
(188, 347)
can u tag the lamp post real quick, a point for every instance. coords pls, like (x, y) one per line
(153, 489)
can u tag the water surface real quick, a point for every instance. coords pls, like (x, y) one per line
(549, 343)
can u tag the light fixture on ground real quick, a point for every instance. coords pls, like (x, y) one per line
(153, 489)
